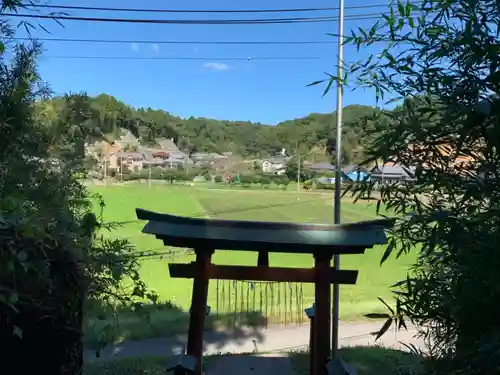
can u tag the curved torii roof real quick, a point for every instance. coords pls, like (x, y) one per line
(264, 236)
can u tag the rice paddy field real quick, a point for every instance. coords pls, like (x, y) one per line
(263, 205)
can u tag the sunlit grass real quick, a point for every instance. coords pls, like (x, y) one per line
(121, 202)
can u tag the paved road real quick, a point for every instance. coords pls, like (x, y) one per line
(261, 340)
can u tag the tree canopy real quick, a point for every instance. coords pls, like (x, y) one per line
(108, 115)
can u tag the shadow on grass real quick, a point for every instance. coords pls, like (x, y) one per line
(169, 324)
(219, 364)
(367, 360)
(214, 364)
(128, 366)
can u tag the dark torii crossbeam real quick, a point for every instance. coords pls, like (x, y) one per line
(320, 240)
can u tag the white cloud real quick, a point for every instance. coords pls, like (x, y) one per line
(134, 47)
(155, 47)
(216, 66)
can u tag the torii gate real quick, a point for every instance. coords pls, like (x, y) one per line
(320, 240)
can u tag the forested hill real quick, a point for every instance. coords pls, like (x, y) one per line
(106, 115)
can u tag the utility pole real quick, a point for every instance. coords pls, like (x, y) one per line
(338, 175)
(298, 173)
(149, 176)
(105, 169)
(121, 168)
(298, 166)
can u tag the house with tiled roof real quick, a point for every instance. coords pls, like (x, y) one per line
(446, 153)
(275, 164)
(445, 157)
(323, 167)
(132, 161)
(167, 144)
(390, 172)
(127, 139)
(165, 155)
(208, 158)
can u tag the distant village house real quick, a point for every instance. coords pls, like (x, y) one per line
(275, 165)
(390, 173)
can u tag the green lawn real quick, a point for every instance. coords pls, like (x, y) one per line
(121, 201)
(365, 360)
(372, 360)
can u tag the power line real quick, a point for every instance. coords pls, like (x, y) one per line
(220, 42)
(232, 211)
(186, 58)
(145, 10)
(161, 252)
(258, 21)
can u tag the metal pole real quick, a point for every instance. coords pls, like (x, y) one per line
(105, 169)
(298, 174)
(121, 168)
(149, 176)
(338, 175)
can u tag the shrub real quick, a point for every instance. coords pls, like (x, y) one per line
(280, 180)
(188, 176)
(156, 173)
(308, 184)
(322, 186)
(246, 179)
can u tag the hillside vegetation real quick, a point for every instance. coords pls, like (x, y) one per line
(106, 115)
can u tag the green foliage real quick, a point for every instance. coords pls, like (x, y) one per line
(128, 366)
(247, 179)
(281, 181)
(108, 115)
(170, 175)
(292, 170)
(368, 360)
(264, 180)
(54, 257)
(309, 184)
(107, 264)
(441, 62)
(43, 233)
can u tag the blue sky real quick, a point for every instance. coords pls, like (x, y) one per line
(256, 90)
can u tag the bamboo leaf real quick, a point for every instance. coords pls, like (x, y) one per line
(383, 330)
(329, 85)
(408, 9)
(315, 83)
(377, 316)
(402, 323)
(388, 250)
(386, 305)
(401, 9)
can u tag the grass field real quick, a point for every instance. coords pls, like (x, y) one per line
(366, 361)
(372, 360)
(121, 201)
